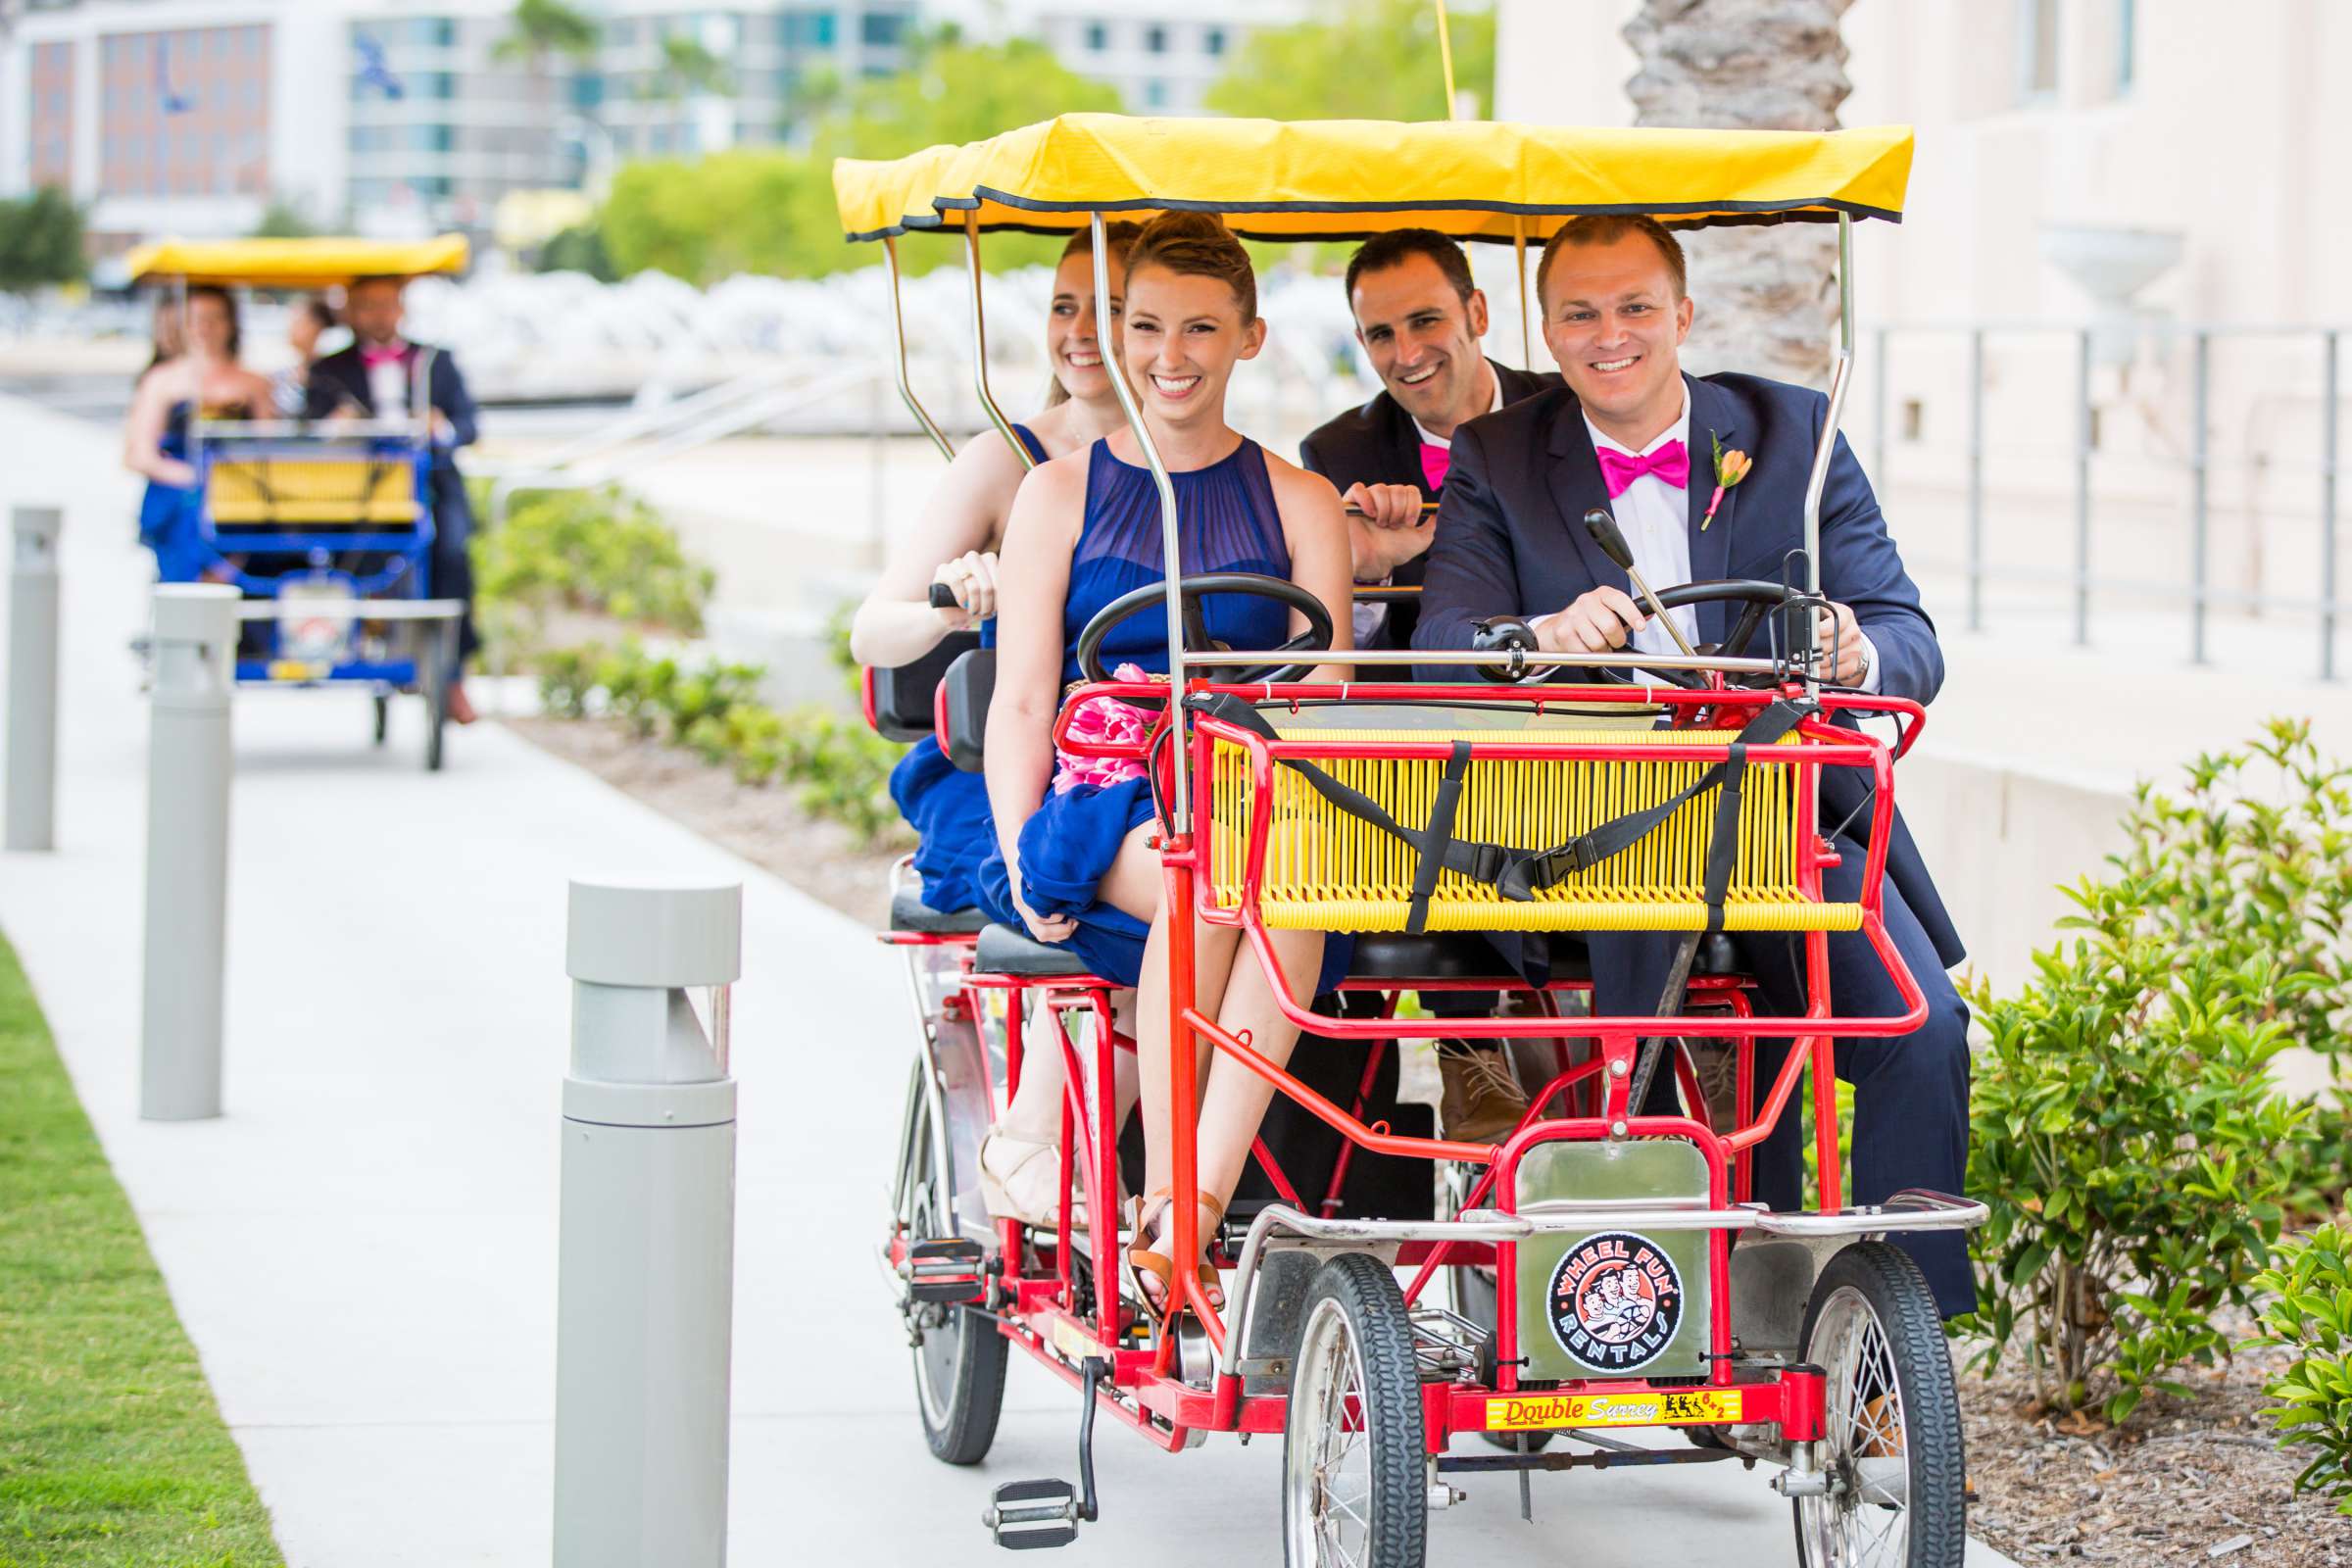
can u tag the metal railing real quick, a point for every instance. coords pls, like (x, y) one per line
(646, 436)
(2198, 592)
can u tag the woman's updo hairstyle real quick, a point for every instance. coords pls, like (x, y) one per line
(1196, 245)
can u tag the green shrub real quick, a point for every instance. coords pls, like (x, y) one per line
(2310, 1283)
(840, 769)
(599, 551)
(2255, 858)
(2126, 1136)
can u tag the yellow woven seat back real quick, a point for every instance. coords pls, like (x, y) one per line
(1327, 868)
(311, 492)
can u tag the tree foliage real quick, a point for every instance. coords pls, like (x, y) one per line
(540, 29)
(771, 211)
(40, 242)
(688, 68)
(1366, 60)
(284, 220)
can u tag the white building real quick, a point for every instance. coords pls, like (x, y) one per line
(2139, 165)
(1161, 58)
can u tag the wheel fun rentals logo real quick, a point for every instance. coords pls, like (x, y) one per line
(1615, 1300)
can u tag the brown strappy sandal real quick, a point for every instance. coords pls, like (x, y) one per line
(1142, 1264)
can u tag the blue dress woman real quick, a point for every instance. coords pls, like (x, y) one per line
(1073, 861)
(955, 542)
(195, 366)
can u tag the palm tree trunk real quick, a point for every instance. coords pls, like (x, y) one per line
(1767, 297)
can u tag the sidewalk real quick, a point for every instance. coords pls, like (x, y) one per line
(363, 1248)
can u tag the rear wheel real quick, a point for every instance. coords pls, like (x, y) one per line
(1354, 1481)
(1890, 1430)
(959, 1355)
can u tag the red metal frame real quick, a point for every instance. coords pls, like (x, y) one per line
(1144, 1391)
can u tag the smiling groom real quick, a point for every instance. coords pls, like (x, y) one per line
(1631, 433)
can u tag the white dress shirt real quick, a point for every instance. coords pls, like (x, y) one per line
(1655, 518)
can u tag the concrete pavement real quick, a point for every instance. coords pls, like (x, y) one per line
(363, 1248)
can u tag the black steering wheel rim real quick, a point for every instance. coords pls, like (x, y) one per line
(1191, 590)
(1760, 597)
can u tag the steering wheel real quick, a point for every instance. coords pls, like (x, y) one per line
(1189, 592)
(1760, 598)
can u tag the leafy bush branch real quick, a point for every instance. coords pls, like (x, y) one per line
(838, 769)
(2311, 1312)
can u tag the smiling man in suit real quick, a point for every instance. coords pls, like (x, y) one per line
(1419, 317)
(1634, 436)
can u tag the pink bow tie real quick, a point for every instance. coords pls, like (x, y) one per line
(1671, 463)
(373, 355)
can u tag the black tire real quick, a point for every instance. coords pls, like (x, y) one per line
(1357, 1344)
(383, 715)
(1894, 1453)
(958, 1356)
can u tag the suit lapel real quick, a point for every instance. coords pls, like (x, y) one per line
(1575, 488)
(1712, 415)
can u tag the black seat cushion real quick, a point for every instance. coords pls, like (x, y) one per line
(899, 698)
(1468, 955)
(1004, 950)
(970, 684)
(909, 912)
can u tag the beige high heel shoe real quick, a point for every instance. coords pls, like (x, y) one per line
(1019, 1180)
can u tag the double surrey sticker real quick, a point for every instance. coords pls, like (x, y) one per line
(1615, 1300)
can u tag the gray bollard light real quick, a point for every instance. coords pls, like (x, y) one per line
(187, 849)
(32, 679)
(646, 1276)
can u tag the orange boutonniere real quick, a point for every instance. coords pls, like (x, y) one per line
(1729, 468)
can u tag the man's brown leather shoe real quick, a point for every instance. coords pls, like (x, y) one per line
(1481, 1103)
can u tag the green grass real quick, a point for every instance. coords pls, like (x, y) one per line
(111, 1448)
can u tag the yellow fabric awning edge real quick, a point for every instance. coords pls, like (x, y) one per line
(315, 262)
(1345, 180)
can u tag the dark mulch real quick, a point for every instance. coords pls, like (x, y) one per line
(2182, 1481)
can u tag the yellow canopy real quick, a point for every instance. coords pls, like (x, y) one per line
(1349, 179)
(314, 263)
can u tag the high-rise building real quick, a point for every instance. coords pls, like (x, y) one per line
(768, 58)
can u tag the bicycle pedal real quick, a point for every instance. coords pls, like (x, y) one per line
(1028, 1515)
(944, 1271)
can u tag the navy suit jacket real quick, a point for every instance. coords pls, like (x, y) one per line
(342, 377)
(1510, 541)
(1375, 443)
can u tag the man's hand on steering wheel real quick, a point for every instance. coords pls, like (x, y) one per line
(1598, 621)
(1836, 632)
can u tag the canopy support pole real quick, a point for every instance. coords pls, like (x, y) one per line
(898, 332)
(1841, 374)
(1180, 790)
(1527, 336)
(988, 402)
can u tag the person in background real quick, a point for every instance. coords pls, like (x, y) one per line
(382, 375)
(290, 388)
(195, 367)
(1419, 317)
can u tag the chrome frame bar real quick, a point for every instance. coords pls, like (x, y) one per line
(1910, 1210)
(1840, 377)
(1221, 658)
(1180, 794)
(1527, 340)
(898, 332)
(988, 401)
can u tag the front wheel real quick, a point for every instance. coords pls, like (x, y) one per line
(959, 1355)
(1354, 1479)
(1890, 1428)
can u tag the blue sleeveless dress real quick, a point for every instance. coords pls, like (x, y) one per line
(1227, 522)
(168, 522)
(947, 807)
